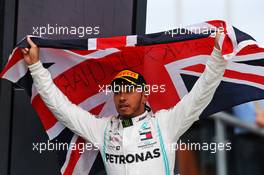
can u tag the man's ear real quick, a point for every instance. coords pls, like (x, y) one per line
(145, 97)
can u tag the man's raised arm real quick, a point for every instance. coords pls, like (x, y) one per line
(179, 118)
(72, 116)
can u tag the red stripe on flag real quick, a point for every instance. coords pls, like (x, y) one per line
(74, 157)
(97, 109)
(251, 49)
(16, 56)
(103, 43)
(199, 68)
(82, 52)
(244, 76)
(227, 47)
(47, 118)
(230, 74)
(217, 23)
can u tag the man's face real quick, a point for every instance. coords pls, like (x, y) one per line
(129, 102)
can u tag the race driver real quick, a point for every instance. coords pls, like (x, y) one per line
(136, 142)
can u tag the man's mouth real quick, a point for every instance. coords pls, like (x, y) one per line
(123, 106)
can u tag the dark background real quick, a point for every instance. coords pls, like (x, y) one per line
(19, 125)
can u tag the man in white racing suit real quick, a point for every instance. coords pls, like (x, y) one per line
(136, 141)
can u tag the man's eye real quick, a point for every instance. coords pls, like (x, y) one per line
(130, 89)
(117, 92)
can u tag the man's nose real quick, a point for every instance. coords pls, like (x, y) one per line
(122, 96)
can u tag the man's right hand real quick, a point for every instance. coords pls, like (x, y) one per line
(31, 55)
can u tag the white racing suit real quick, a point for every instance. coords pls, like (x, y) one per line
(145, 147)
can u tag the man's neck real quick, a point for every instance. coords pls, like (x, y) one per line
(133, 115)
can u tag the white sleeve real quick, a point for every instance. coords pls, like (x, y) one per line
(72, 116)
(179, 118)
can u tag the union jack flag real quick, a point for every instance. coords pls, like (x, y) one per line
(172, 58)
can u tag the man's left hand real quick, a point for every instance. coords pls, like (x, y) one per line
(217, 37)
